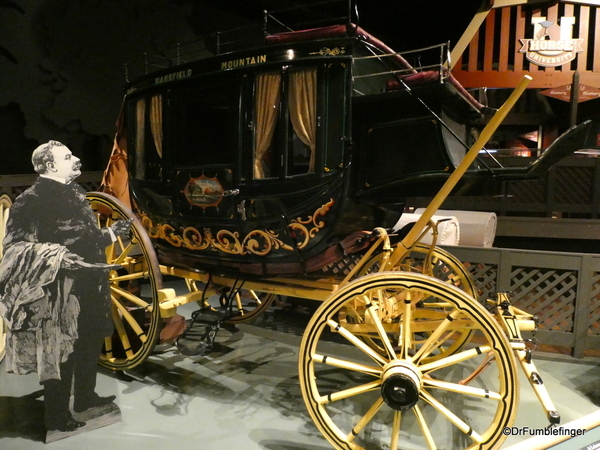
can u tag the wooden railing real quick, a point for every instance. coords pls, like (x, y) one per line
(562, 289)
(13, 185)
(571, 189)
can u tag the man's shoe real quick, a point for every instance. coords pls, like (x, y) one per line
(65, 425)
(93, 402)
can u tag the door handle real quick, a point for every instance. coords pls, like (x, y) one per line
(241, 209)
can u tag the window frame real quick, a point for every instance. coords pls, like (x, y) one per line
(284, 133)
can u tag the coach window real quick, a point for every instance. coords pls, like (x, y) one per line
(285, 134)
(148, 138)
(207, 121)
(266, 113)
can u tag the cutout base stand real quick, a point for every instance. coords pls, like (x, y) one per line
(97, 417)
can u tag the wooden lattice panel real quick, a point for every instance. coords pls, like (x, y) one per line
(547, 293)
(342, 266)
(531, 191)
(90, 186)
(594, 317)
(485, 276)
(573, 184)
(17, 190)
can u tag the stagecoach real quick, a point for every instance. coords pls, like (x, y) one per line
(280, 170)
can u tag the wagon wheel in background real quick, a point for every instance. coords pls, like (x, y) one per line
(5, 204)
(134, 288)
(362, 399)
(444, 266)
(246, 303)
(435, 262)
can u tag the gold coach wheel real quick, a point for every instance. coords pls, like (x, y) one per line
(440, 264)
(360, 398)
(134, 288)
(435, 262)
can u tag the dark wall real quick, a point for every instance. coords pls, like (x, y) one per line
(62, 69)
(62, 62)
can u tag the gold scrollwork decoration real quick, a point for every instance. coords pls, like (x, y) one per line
(194, 240)
(326, 51)
(256, 242)
(314, 219)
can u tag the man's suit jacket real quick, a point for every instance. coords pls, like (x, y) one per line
(41, 302)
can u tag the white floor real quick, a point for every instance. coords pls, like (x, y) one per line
(244, 396)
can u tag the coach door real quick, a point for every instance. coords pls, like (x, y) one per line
(206, 151)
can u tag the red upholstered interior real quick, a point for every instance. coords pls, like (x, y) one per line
(429, 77)
(350, 30)
(310, 34)
(415, 79)
(411, 78)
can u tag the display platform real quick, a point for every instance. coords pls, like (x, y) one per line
(245, 394)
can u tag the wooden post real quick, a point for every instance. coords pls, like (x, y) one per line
(574, 98)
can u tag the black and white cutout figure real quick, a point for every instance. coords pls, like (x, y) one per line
(54, 292)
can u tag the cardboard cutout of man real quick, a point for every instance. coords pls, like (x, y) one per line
(54, 292)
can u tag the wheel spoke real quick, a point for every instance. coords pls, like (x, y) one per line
(429, 345)
(125, 251)
(424, 428)
(462, 389)
(406, 339)
(372, 311)
(365, 420)
(121, 332)
(131, 297)
(395, 430)
(238, 304)
(131, 321)
(128, 277)
(455, 359)
(458, 422)
(343, 364)
(350, 392)
(255, 297)
(357, 342)
(108, 348)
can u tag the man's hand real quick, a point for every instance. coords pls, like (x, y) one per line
(121, 228)
(72, 261)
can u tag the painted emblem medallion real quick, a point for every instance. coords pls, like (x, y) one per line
(203, 191)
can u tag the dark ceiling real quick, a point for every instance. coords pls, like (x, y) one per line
(62, 61)
(402, 24)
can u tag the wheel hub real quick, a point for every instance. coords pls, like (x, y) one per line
(401, 384)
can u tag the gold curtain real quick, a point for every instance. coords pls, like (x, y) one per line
(115, 180)
(156, 124)
(303, 108)
(139, 138)
(267, 108)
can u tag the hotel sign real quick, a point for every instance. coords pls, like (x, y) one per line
(552, 45)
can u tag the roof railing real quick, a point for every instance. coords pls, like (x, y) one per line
(315, 14)
(310, 15)
(416, 55)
